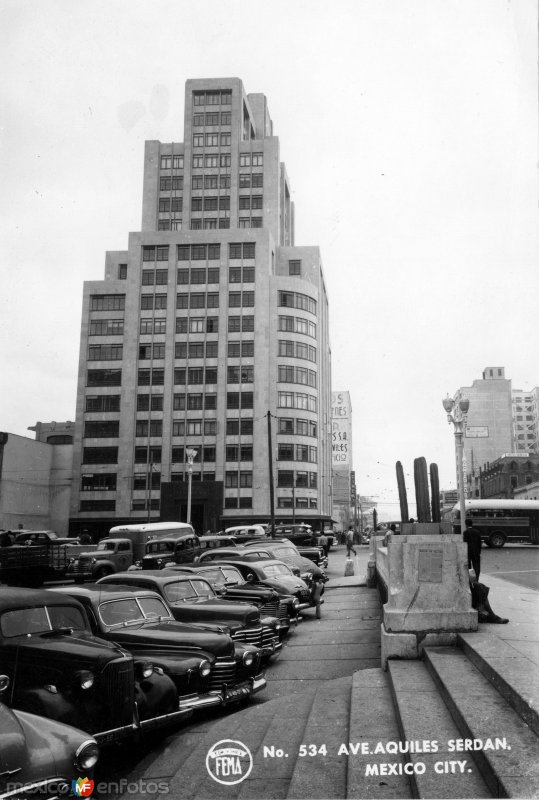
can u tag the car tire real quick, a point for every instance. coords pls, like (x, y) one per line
(496, 539)
(102, 573)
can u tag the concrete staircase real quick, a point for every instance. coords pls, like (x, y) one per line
(474, 692)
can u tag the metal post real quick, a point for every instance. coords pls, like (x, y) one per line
(457, 414)
(190, 455)
(271, 489)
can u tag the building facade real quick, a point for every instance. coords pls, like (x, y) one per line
(35, 478)
(209, 333)
(512, 475)
(344, 489)
(489, 428)
(526, 420)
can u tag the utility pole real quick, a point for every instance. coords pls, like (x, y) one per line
(270, 465)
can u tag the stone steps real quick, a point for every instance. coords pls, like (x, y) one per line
(508, 670)
(424, 718)
(481, 712)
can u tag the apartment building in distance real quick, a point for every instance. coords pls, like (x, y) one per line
(489, 429)
(210, 333)
(526, 420)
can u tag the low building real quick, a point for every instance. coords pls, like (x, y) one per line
(35, 478)
(508, 475)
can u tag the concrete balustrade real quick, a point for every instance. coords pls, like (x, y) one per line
(423, 579)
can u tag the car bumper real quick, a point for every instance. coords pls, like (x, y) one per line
(242, 691)
(125, 731)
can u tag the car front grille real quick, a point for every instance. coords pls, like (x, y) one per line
(269, 636)
(224, 671)
(270, 609)
(118, 692)
(249, 635)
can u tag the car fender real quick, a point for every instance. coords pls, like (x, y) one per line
(156, 695)
(48, 703)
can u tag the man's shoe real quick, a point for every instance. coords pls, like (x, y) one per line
(496, 619)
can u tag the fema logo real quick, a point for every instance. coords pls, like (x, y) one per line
(229, 762)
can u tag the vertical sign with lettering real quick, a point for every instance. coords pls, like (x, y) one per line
(341, 419)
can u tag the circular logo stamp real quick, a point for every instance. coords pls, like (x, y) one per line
(229, 762)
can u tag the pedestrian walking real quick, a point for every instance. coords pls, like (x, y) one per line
(472, 537)
(350, 541)
(323, 542)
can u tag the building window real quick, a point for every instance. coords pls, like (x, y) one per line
(257, 160)
(122, 272)
(294, 267)
(285, 478)
(104, 377)
(256, 201)
(257, 180)
(147, 455)
(103, 402)
(107, 302)
(104, 482)
(166, 162)
(177, 162)
(245, 159)
(102, 430)
(100, 455)
(285, 452)
(285, 425)
(106, 327)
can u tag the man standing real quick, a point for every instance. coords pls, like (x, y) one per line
(472, 536)
(323, 542)
(350, 541)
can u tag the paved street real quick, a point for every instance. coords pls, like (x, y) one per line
(517, 563)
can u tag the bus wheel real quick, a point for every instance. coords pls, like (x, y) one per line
(496, 539)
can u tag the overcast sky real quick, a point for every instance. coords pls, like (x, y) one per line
(408, 129)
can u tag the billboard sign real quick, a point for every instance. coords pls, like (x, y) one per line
(341, 430)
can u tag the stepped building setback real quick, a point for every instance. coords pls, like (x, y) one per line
(209, 320)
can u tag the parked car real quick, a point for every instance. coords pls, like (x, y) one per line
(284, 550)
(42, 537)
(244, 533)
(60, 670)
(274, 575)
(40, 757)
(208, 668)
(305, 543)
(241, 553)
(177, 550)
(229, 583)
(192, 599)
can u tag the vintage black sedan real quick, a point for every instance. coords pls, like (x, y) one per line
(60, 670)
(284, 550)
(231, 585)
(192, 599)
(274, 575)
(206, 665)
(40, 757)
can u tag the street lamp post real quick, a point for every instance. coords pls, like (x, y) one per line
(457, 414)
(190, 455)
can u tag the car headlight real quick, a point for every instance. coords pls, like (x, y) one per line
(204, 668)
(248, 658)
(86, 756)
(143, 669)
(94, 560)
(84, 679)
(296, 603)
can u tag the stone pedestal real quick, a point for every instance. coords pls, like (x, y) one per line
(428, 594)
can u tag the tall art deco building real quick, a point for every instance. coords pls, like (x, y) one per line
(209, 333)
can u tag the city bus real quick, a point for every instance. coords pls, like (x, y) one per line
(502, 521)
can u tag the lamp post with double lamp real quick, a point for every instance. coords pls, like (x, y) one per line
(190, 455)
(457, 414)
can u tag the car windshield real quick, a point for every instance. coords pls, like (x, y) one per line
(105, 546)
(132, 609)
(176, 592)
(28, 621)
(288, 552)
(276, 569)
